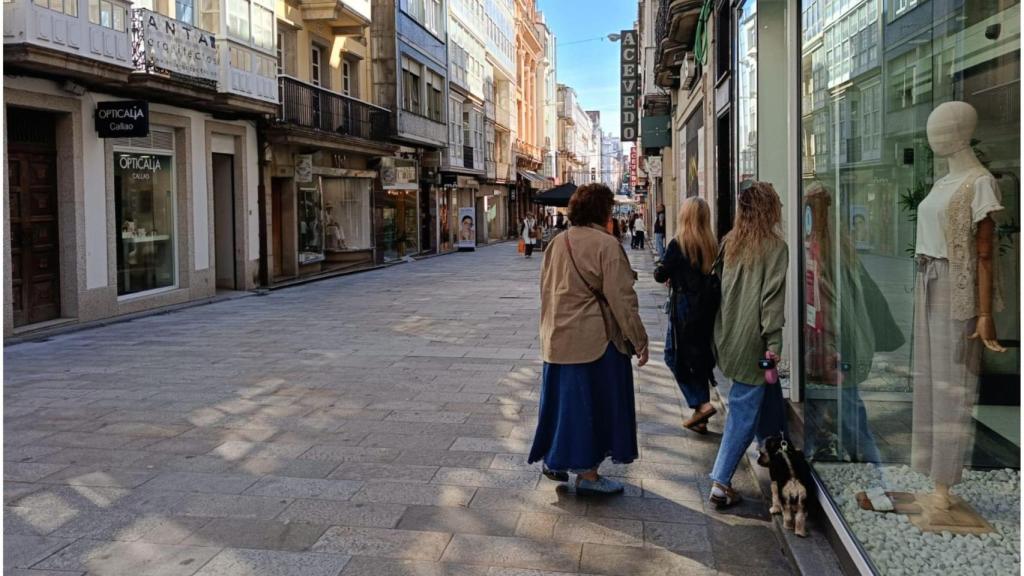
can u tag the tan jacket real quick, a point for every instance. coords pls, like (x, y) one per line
(572, 329)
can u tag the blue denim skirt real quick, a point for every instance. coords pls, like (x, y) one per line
(587, 414)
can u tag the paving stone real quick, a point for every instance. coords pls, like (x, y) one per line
(109, 558)
(333, 513)
(405, 544)
(620, 560)
(617, 531)
(537, 526)
(110, 477)
(491, 445)
(24, 551)
(261, 534)
(407, 473)
(409, 442)
(15, 490)
(420, 494)
(648, 509)
(27, 452)
(677, 537)
(487, 478)
(760, 542)
(516, 552)
(233, 506)
(202, 482)
(350, 454)
(305, 488)
(240, 562)
(367, 566)
(550, 502)
(29, 471)
(293, 468)
(437, 416)
(238, 449)
(460, 520)
(449, 458)
(676, 490)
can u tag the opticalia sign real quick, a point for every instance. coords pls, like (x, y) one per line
(174, 46)
(122, 119)
(629, 85)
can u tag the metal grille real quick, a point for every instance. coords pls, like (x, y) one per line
(158, 139)
(31, 127)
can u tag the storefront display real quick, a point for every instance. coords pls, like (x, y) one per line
(909, 283)
(346, 214)
(311, 224)
(398, 229)
(144, 205)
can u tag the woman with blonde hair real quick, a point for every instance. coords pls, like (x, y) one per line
(687, 268)
(748, 330)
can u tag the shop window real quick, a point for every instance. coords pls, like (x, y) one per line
(892, 403)
(346, 214)
(311, 223)
(144, 207)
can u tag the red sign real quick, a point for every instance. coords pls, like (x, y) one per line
(632, 167)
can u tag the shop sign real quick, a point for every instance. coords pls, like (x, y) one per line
(399, 174)
(303, 168)
(449, 179)
(629, 85)
(177, 47)
(467, 228)
(122, 119)
(467, 182)
(654, 166)
(633, 180)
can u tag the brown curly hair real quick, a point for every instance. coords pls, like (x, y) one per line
(591, 204)
(756, 228)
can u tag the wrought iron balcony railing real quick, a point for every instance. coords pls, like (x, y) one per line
(313, 107)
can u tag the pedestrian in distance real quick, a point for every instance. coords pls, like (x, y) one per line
(659, 231)
(632, 230)
(528, 232)
(590, 327)
(639, 229)
(693, 304)
(748, 330)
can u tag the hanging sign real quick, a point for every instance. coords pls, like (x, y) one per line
(122, 119)
(303, 168)
(399, 174)
(177, 47)
(629, 85)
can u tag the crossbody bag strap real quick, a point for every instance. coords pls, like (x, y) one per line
(597, 293)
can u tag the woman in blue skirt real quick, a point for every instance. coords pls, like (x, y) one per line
(590, 326)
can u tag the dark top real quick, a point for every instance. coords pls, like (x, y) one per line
(659, 223)
(676, 267)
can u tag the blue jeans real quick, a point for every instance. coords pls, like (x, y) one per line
(753, 411)
(697, 393)
(659, 244)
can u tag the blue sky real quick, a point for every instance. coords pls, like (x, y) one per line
(592, 68)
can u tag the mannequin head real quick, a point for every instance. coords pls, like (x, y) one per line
(950, 128)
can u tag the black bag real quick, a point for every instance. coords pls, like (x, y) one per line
(693, 335)
(888, 336)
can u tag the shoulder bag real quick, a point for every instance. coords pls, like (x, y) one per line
(611, 326)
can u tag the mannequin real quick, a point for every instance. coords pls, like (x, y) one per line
(954, 301)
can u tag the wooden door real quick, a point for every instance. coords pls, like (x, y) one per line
(35, 246)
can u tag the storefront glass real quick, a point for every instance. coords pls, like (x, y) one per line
(144, 206)
(346, 214)
(311, 223)
(445, 224)
(746, 89)
(398, 223)
(911, 162)
(495, 218)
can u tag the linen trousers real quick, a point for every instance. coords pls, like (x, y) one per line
(946, 366)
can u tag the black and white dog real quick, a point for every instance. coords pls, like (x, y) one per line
(790, 476)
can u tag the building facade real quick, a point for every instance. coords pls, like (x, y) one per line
(409, 77)
(526, 147)
(497, 193)
(848, 108)
(132, 172)
(327, 141)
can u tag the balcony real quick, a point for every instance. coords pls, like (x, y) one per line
(306, 106)
(526, 153)
(41, 37)
(675, 33)
(340, 13)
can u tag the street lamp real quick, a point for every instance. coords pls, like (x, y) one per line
(614, 37)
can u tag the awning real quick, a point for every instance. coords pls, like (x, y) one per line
(537, 182)
(557, 196)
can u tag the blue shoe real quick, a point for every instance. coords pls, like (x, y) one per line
(602, 486)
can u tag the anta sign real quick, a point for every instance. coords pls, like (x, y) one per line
(177, 47)
(122, 119)
(629, 85)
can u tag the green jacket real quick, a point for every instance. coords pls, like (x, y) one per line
(752, 314)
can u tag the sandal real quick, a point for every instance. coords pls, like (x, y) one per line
(701, 428)
(723, 496)
(698, 417)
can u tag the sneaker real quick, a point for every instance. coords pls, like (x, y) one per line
(557, 476)
(723, 496)
(601, 486)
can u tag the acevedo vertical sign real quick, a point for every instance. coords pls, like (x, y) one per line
(629, 85)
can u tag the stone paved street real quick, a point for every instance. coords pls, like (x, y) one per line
(370, 425)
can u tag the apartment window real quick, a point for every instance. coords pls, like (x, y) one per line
(238, 19)
(280, 53)
(316, 60)
(107, 15)
(184, 10)
(435, 97)
(69, 7)
(346, 77)
(412, 86)
(262, 27)
(209, 15)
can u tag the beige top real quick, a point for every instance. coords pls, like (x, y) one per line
(932, 215)
(572, 329)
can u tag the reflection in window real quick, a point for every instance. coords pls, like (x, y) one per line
(238, 19)
(144, 207)
(746, 88)
(346, 214)
(262, 27)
